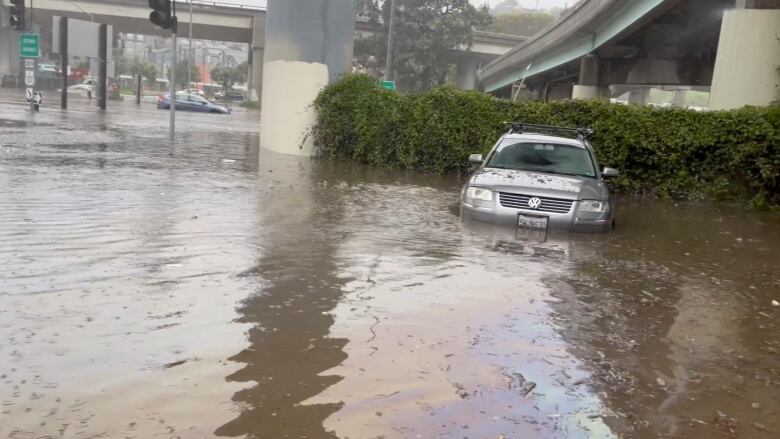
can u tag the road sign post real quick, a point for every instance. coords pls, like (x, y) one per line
(389, 85)
(29, 50)
(63, 34)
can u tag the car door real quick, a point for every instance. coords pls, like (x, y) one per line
(198, 103)
(183, 103)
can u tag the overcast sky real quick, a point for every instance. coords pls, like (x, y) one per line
(543, 4)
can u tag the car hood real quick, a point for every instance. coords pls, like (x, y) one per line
(540, 184)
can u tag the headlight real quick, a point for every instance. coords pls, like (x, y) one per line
(594, 206)
(479, 197)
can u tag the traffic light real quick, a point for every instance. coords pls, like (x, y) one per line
(17, 14)
(161, 15)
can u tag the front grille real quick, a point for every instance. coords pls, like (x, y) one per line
(519, 201)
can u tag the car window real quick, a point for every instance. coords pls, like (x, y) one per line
(197, 99)
(554, 158)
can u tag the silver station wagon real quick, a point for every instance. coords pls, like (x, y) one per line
(541, 177)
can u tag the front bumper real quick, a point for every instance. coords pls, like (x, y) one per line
(556, 221)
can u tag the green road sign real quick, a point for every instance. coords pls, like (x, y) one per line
(390, 85)
(29, 45)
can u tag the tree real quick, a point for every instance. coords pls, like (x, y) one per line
(147, 70)
(242, 72)
(122, 65)
(426, 32)
(181, 74)
(82, 63)
(505, 7)
(226, 76)
(367, 9)
(125, 66)
(526, 23)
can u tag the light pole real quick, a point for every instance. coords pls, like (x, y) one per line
(189, 51)
(91, 17)
(390, 44)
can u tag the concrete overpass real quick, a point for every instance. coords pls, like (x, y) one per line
(605, 48)
(216, 21)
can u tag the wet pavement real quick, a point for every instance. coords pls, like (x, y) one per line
(193, 290)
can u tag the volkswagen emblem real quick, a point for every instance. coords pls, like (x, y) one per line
(534, 203)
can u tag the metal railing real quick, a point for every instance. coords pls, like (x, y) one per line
(225, 5)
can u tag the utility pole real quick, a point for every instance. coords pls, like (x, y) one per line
(173, 78)
(189, 51)
(64, 61)
(389, 62)
(102, 61)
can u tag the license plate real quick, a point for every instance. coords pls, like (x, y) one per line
(532, 222)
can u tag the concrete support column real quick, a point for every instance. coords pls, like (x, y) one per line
(467, 73)
(587, 85)
(585, 92)
(678, 100)
(748, 56)
(256, 49)
(638, 96)
(307, 45)
(256, 74)
(9, 47)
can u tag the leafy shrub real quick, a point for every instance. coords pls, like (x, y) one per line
(670, 152)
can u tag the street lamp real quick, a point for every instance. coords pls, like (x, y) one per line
(390, 43)
(91, 17)
(189, 51)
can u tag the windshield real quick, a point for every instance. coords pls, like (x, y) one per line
(553, 158)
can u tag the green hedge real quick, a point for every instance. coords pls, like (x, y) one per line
(674, 153)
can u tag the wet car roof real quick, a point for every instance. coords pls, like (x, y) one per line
(545, 138)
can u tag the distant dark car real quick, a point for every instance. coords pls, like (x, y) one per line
(190, 102)
(232, 96)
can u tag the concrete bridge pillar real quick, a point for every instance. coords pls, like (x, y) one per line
(748, 56)
(256, 74)
(307, 45)
(9, 46)
(587, 86)
(467, 73)
(638, 96)
(680, 94)
(256, 51)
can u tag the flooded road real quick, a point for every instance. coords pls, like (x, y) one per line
(193, 290)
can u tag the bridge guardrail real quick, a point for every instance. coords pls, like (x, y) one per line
(224, 4)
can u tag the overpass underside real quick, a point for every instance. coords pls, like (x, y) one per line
(675, 47)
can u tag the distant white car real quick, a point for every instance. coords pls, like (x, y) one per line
(194, 91)
(86, 86)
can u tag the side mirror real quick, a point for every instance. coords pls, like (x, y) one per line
(610, 172)
(475, 158)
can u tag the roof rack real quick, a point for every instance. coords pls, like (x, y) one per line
(522, 128)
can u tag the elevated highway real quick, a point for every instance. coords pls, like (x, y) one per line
(221, 22)
(604, 48)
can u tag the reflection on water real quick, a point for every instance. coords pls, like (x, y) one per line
(289, 345)
(192, 290)
(674, 316)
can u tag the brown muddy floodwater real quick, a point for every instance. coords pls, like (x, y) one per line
(151, 290)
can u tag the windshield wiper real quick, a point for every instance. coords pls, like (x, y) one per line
(572, 174)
